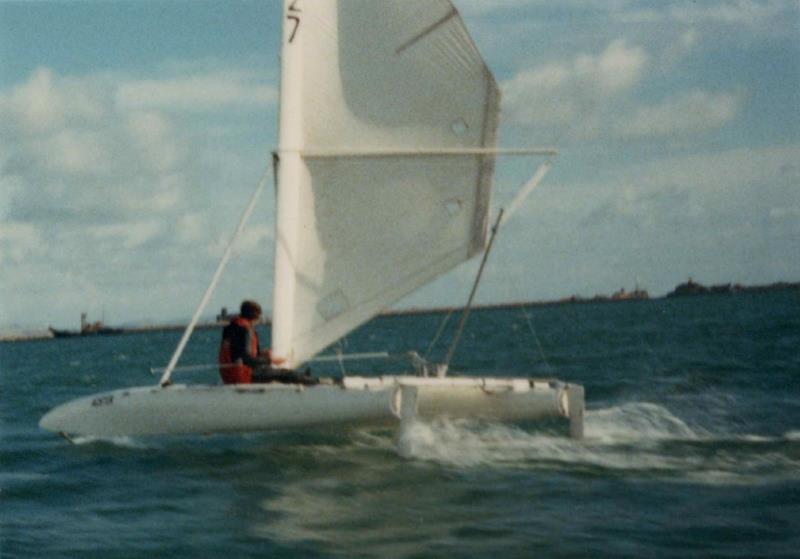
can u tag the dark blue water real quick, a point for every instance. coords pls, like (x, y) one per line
(692, 448)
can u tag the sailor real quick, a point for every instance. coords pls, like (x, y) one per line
(241, 359)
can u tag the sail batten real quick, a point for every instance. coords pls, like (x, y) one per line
(423, 152)
(430, 29)
(392, 161)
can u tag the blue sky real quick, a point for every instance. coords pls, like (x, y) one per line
(133, 134)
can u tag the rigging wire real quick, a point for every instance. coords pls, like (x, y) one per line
(339, 358)
(468, 308)
(165, 378)
(515, 204)
(502, 217)
(438, 334)
(536, 338)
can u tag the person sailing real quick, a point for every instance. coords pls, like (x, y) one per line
(242, 361)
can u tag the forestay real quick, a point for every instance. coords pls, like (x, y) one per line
(373, 94)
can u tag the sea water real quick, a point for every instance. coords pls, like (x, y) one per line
(692, 447)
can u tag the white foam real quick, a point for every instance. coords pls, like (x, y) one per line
(122, 442)
(635, 422)
(464, 443)
(755, 439)
(469, 443)
(626, 438)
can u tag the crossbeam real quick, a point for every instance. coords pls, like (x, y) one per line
(434, 152)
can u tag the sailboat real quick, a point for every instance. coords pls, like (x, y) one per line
(385, 159)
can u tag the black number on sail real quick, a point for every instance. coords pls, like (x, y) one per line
(295, 19)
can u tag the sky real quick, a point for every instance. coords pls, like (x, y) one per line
(132, 135)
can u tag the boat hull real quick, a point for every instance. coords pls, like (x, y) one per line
(357, 401)
(84, 333)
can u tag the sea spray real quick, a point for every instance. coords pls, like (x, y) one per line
(636, 439)
(635, 421)
(470, 443)
(120, 442)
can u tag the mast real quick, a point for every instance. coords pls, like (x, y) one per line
(290, 142)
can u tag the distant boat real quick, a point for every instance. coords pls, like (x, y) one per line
(87, 329)
(103, 331)
(624, 295)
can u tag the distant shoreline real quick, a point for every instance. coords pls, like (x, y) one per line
(687, 289)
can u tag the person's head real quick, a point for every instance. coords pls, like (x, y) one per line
(250, 310)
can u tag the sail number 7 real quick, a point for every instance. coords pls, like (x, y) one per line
(294, 17)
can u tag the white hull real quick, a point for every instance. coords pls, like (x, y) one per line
(358, 401)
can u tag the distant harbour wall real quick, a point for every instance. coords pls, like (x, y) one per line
(687, 289)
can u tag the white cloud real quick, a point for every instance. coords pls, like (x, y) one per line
(110, 193)
(255, 239)
(688, 40)
(35, 102)
(783, 213)
(726, 216)
(748, 167)
(680, 48)
(191, 228)
(596, 95)
(73, 151)
(10, 188)
(532, 96)
(730, 195)
(65, 162)
(154, 140)
(43, 103)
(129, 235)
(18, 241)
(162, 193)
(200, 92)
(482, 7)
(688, 113)
(616, 70)
(739, 12)
(573, 92)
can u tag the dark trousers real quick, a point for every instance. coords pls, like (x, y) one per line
(285, 376)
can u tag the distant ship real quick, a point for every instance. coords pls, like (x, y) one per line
(87, 329)
(623, 295)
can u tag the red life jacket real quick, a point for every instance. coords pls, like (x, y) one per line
(236, 373)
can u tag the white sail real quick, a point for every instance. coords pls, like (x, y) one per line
(378, 97)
